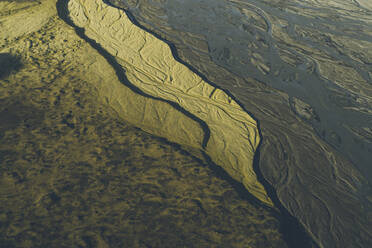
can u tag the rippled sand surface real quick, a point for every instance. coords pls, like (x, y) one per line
(302, 69)
(76, 172)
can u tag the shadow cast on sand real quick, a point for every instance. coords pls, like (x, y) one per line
(9, 63)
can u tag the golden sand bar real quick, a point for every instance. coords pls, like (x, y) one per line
(150, 66)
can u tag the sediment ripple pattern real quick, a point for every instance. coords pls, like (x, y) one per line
(151, 67)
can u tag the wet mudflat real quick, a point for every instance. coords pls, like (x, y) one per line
(304, 71)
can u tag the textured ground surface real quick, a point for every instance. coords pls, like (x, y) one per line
(316, 51)
(75, 172)
(150, 66)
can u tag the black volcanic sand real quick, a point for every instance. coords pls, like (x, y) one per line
(315, 123)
